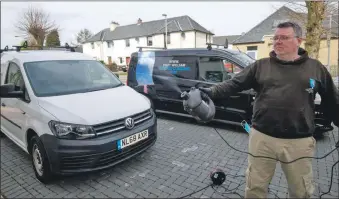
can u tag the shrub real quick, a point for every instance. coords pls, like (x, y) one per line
(102, 61)
(113, 67)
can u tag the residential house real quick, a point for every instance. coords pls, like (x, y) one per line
(220, 41)
(117, 43)
(257, 42)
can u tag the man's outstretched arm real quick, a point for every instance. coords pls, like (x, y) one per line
(244, 80)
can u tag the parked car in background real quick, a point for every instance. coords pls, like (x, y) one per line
(71, 113)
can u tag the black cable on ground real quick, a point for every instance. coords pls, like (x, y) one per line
(227, 192)
(329, 189)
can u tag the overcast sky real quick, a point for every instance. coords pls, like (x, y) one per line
(221, 17)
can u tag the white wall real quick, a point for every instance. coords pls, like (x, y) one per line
(87, 49)
(101, 51)
(119, 49)
(201, 40)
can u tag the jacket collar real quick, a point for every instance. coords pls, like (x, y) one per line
(303, 57)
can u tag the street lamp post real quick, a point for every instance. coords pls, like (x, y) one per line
(329, 44)
(165, 15)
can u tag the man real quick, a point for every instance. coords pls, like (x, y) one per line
(283, 113)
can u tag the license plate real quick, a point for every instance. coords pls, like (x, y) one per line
(130, 140)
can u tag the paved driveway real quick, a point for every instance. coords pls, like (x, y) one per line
(178, 164)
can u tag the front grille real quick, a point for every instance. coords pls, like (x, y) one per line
(103, 159)
(117, 125)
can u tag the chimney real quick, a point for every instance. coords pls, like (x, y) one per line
(113, 25)
(139, 21)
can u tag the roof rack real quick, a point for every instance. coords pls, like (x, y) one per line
(141, 47)
(209, 45)
(25, 45)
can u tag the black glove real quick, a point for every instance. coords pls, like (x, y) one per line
(207, 91)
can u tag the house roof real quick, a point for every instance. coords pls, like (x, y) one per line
(175, 24)
(267, 26)
(220, 40)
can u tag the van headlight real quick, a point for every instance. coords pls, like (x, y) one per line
(71, 131)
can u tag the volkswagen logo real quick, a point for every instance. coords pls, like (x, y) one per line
(129, 123)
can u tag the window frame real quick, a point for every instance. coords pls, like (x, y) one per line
(209, 56)
(253, 51)
(127, 43)
(149, 41)
(28, 100)
(110, 44)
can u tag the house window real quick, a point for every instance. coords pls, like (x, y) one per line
(120, 60)
(208, 38)
(109, 44)
(92, 45)
(127, 42)
(137, 39)
(252, 51)
(149, 41)
(183, 35)
(168, 38)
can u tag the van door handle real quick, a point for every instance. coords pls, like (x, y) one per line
(233, 97)
(3, 104)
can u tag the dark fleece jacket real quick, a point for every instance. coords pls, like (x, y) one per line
(284, 103)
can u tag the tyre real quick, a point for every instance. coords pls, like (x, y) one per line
(40, 161)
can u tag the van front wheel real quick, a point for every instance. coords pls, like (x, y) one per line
(40, 161)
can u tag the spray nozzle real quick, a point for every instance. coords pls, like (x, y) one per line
(184, 95)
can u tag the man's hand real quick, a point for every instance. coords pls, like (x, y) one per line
(208, 91)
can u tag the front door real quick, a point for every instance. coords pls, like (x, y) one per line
(109, 60)
(173, 75)
(13, 110)
(212, 71)
(127, 61)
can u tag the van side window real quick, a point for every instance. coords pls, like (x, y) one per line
(179, 66)
(211, 69)
(231, 67)
(14, 76)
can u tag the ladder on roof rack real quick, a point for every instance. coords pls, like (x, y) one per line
(25, 45)
(141, 47)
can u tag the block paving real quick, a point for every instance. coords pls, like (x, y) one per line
(178, 164)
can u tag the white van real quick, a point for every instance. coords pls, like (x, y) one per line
(71, 113)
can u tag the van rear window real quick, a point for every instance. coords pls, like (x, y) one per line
(178, 66)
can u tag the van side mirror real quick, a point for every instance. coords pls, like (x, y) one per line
(8, 91)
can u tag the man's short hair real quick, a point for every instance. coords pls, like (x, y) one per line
(297, 29)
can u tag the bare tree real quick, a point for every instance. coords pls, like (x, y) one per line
(313, 16)
(35, 23)
(83, 35)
